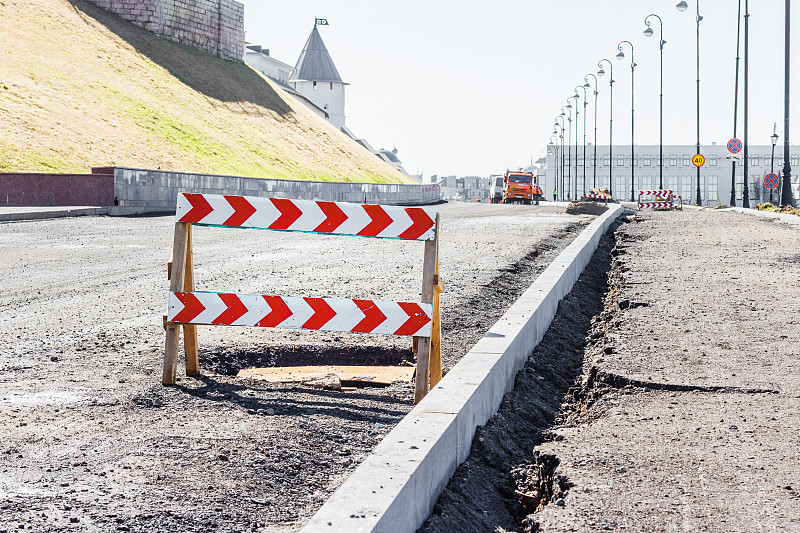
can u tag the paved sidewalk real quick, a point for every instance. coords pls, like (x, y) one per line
(33, 213)
(691, 421)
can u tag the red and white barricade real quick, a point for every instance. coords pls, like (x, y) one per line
(660, 200)
(597, 196)
(188, 308)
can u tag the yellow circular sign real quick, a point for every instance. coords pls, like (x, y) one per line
(698, 160)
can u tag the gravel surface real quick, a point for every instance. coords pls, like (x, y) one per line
(89, 439)
(685, 412)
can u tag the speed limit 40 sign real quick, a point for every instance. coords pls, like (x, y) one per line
(698, 160)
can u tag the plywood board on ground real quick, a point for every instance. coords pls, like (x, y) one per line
(378, 375)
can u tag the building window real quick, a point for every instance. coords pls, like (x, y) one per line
(331, 86)
(606, 161)
(687, 161)
(315, 85)
(795, 160)
(712, 162)
(754, 161)
(636, 161)
(620, 161)
(648, 161)
(673, 161)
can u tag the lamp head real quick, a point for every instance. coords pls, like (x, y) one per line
(601, 72)
(774, 138)
(620, 55)
(587, 85)
(682, 6)
(648, 32)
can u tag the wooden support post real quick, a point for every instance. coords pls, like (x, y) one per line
(436, 333)
(176, 284)
(190, 330)
(421, 383)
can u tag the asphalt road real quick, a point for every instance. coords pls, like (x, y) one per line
(89, 439)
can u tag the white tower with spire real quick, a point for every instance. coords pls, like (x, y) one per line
(317, 79)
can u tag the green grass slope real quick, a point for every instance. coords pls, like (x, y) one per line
(80, 87)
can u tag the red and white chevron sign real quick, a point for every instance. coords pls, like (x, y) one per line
(656, 193)
(601, 196)
(338, 218)
(326, 314)
(667, 205)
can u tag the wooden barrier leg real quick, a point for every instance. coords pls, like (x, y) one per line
(190, 330)
(421, 384)
(422, 373)
(436, 333)
(175, 285)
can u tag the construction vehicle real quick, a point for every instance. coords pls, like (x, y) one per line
(520, 187)
(496, 189)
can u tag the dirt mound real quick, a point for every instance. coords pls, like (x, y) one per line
(585, 208)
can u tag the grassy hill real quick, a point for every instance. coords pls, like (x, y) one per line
(80, 87)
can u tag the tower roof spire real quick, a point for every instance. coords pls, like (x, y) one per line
(315, 63)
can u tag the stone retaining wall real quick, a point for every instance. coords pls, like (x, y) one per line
(39, 190)
(155, 191)
(213, 26)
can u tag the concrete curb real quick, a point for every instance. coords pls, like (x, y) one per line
(37, 213)
(395, 488)
(783, 217)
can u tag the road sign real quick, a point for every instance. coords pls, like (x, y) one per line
(698, 160)
(771, 181)
(734, 146)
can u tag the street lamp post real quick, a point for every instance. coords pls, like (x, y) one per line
(554, 146)
(621, 56)
(786, 184)
(569, 146)
(594, 152)
(774, 139)
(577, 97)
(736, 104)
(600, 73)
(649, 33)
(682, 6)
(746, 186)
(585, 103)
(560, 185)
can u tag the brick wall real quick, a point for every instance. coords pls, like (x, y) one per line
(33, 190)
(213, 26)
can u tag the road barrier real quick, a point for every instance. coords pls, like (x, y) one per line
(188, 308)
(660, 200)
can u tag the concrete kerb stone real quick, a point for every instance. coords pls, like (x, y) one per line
(395, 488)
(783, 217)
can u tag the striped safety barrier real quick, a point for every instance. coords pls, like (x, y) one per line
(337, 218)
(324, 314)
(662, 200)
(188, 308)
(600, 196)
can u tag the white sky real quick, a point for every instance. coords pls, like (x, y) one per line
(472, 88)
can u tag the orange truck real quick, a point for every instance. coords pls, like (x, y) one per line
(520, 187)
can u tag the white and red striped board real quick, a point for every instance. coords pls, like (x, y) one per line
(662, 205)
(601, 196)
(325, 314)
(657, 193)
(336, 218)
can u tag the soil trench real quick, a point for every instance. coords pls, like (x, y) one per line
(504, 482)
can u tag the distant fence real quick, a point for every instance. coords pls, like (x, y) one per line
(39, 190)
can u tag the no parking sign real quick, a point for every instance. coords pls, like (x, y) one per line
(771, 180)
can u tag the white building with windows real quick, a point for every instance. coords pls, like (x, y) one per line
(679, 173)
